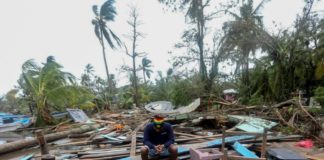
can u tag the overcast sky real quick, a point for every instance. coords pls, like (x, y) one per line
(36, 29)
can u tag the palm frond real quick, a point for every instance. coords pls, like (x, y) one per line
(50, 59)
(29, 81)
(97, 31)
(95, 10)
(70, 77)
(260, 6)
(146, 62)
(30, 65)
(108, 10)
(108, 38)
(148, 73)
(116, 38)
(236, 16)
(89, 69)
(94, 22)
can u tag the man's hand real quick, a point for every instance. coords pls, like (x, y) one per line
(159, 148)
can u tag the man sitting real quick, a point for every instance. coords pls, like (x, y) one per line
(159, 140)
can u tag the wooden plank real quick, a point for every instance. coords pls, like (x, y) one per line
(246, 133)
(196, 138)
(223, 138)
(133, 143)
(103, 121)
(79, 143)
(185, 134)
(232, 139)
(42, 142)
(100, 151)
(264, 143)
(243, 151)
(111, 138)
(243, 158)
(275, 139)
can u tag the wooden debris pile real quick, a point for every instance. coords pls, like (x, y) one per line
(118, 135)
(292, 116)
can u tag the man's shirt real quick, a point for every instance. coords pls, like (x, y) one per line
(164, 136)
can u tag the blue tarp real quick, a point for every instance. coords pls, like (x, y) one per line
(16, 119)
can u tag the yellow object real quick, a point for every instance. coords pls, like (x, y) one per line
(119, 127)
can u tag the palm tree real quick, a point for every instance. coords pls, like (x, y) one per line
(294, 60)
(86, 76)
(146, 64)
(241, 34)
(106, 14)
(40, 84)
(195, 12)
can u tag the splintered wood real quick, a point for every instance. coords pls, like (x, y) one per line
(120, 135)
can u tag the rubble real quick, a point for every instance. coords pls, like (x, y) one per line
(10, 122)
(210, 133)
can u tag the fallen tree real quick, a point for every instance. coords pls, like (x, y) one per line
(17, 145)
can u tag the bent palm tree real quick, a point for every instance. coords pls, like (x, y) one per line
(39, 83)
(106, 14)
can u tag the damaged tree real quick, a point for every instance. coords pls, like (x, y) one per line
(48, 86)
(134, 36)
(38, 83)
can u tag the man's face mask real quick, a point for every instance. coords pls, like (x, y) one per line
(158, 122)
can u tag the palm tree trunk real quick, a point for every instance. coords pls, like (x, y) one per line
(104, 57)
(43, 115)
(134, 65)
(200, 28)
(144, 75)
(31, 109)
(106, 65)
(247, 78)
(245, 66)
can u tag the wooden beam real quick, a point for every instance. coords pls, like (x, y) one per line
(223, 138)
(42, 142)
(196, 138)
(264, 143)
(243, 158)
(133, 143)
(103, 121)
